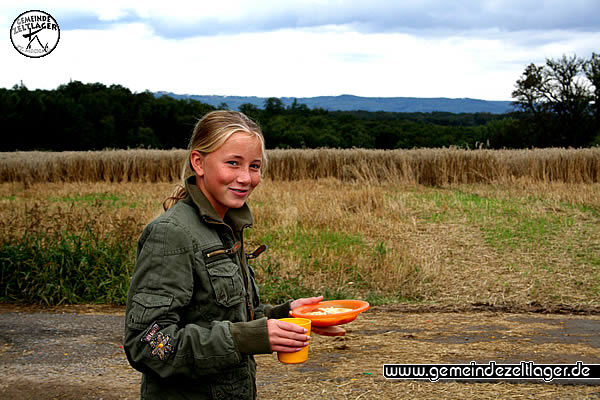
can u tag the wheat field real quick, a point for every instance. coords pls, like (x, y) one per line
(431, 167)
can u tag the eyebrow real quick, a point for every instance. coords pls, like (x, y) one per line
(241, 157)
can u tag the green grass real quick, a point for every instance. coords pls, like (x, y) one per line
(273, 287)
(584, 208)
(96, 199)
(65, 267)
(504, 223)
(305, 241)
(316, 250)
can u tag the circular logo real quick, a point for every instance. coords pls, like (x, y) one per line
(35, 33)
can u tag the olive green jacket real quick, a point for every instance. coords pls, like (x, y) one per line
(193, 317)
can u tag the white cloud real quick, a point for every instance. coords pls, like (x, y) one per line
(298, 48)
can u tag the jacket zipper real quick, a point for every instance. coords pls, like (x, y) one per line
(246, 272)
(232, 250)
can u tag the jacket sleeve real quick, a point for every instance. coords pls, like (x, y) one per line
(269, 311)
(161, 287)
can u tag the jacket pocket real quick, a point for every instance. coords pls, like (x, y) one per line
(226, 282)
(147, 308)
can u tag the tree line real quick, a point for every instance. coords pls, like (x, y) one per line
(556, 104)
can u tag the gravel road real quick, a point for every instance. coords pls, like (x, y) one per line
(76, 353)
(65, 355)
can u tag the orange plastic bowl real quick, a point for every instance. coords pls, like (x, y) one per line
(357, 307)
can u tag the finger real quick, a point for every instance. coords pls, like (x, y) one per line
(305, 301)
(282, 336)
(285, 337)
(283, 349)
(288, 326)
(312, 300)
(289, 343)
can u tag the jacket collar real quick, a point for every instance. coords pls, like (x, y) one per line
(238, 218)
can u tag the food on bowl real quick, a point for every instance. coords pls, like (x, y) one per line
(329, 310)
(351, 309)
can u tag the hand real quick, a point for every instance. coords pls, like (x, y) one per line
(305, 301)
(286, 337)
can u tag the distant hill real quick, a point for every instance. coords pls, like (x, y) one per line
(353, 103)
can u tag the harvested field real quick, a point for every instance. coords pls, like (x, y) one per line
(519, 246)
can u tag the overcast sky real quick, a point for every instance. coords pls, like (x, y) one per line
(404, 48)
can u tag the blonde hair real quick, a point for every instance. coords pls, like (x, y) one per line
(210, 132)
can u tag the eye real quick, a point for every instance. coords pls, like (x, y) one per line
(255, 166)
(231, 162)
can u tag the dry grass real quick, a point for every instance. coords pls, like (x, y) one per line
(457, 245)
(115, 208)
(504, 244)
(418, 166)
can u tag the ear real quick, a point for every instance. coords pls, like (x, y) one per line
(197, 162)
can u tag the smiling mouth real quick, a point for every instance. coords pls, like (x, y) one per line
(239, 191)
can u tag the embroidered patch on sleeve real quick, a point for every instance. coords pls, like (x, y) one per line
(147, 336)
(161, 346)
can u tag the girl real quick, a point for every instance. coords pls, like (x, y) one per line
(194, 318)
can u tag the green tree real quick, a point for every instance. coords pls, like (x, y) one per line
(251, 111)
(531, 93)
(274, 106)
(557, 97)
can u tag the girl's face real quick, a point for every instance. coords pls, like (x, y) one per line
(228, 175)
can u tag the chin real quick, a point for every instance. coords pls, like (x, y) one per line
(236, 204)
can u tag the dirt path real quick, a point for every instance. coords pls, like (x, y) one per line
(75, 353)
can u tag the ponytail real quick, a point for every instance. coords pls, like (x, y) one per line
(179, 193)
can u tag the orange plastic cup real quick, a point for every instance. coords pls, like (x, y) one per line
(301, 355)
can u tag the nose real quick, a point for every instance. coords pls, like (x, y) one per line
(244, 176)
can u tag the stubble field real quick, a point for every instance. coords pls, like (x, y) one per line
(517, 246)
